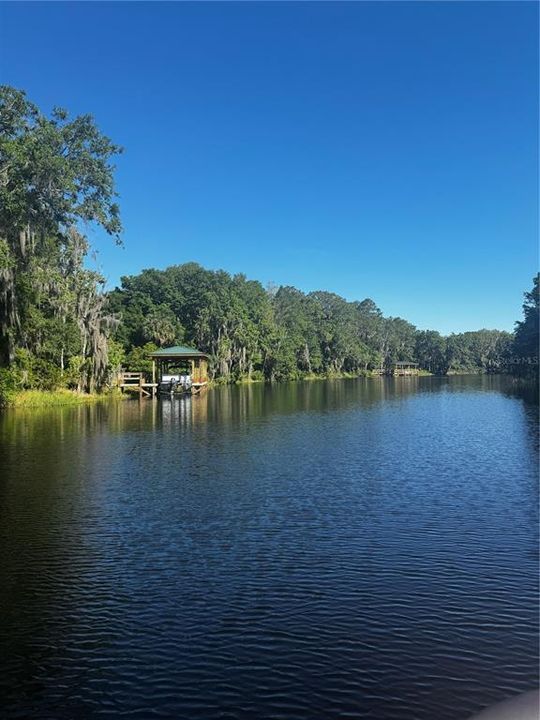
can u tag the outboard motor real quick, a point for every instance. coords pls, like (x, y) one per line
(186, 382)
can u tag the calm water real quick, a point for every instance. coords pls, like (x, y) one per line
(348, 549)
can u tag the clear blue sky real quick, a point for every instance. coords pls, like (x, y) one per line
(384, 150)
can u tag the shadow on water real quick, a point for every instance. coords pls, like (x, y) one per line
(362, 548)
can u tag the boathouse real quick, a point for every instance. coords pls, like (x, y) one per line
(404, 368)
(180, 366)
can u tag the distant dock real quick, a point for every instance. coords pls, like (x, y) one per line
(398, 369)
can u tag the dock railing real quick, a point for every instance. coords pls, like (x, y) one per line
(137, 381)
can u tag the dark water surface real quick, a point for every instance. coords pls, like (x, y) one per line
(347, 549)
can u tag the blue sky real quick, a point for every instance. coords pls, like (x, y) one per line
(383, 150)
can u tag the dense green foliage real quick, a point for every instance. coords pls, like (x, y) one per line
(526, 343)
(526, 340)
(249, 332)
(54, 174)
(58, 329)
(285, 334)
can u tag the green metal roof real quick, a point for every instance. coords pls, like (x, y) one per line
(178, 351)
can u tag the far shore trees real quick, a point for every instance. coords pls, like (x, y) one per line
(285, 334)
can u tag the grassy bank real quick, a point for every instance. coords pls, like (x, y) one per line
(49, 398)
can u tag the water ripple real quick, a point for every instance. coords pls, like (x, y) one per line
(330, 551)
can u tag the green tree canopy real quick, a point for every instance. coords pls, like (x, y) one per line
(55, 172)
(527, 335)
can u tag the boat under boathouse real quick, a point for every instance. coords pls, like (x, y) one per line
(179, 369)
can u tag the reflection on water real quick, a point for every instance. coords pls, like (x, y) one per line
(362, 548)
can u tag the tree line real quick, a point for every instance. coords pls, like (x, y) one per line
(280, 334)
(59, 328)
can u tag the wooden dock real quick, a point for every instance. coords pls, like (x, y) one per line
(175, 370)
(397, 369)
(136, 382)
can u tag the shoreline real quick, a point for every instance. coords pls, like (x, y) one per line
(32, 399)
